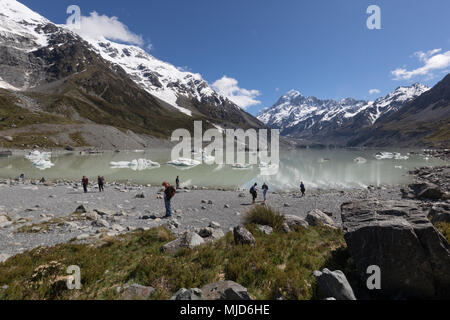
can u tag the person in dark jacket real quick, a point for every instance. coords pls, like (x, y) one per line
(302, 189)
(265, 189)
(101, 184)
(178, 182)
(169, 193)
(85, 183)
(254, 192)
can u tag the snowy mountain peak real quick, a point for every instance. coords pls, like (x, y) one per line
(306, 117)
(20, 27)
(26, 31)
(159, 78)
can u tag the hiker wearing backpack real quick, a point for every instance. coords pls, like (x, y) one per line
(169, 193)
(254, 192)
(302, 189)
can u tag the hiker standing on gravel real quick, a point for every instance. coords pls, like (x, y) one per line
(169, 193)
(85, 183)
(254, 192)
(302, 189)
(265, 189)
(178, 182)
(101, 184)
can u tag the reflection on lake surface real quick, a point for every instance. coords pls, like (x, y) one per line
(335, 168)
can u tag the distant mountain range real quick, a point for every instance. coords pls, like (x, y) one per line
(351, 122)
(50, 75)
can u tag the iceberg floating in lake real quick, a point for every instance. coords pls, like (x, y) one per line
(360, 160)
(398, 156)
(135, 165)
(184, 162)
(242, 166)
(42, 164)
(37, 155)
(389, 155)
(40, 160)
(384, 155)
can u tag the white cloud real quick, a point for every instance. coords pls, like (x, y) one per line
(149, 47)
(374, 91)
(432, 60)
(229, 88)
(98, 26)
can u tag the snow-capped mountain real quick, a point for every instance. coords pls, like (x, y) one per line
(102, 81)
(310, 117)
(24, 29)
(159, 78)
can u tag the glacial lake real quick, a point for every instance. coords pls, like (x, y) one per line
(334, 168)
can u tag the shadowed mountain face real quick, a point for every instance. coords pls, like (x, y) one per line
(425, 121)
(58, 77)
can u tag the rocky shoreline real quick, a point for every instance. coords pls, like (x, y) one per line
(374, 221)
(34, 214)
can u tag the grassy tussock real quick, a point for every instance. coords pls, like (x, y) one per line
(281, 265)
(264, 215)
(444, 228)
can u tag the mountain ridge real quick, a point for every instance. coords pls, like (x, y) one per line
(63, 75)
(313, 119)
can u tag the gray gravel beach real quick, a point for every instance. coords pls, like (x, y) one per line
(32, 205)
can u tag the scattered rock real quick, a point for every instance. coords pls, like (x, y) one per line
(294, 221)
(104, 212)
(137, 292)
(397, 236)
(424, 190)
(225, 290)
(214, 225)
(8, 138)
(187, 240)
(140, 196)
(285, 228)
(4, 257)
(243, 236)
(91, 215)
(100, 223)
(81, 209)
(118, 228)
(83, 236)
(317, 217)
(334, 284)
(185, 295)
(211, 234)
(265, 229)
(440, 212)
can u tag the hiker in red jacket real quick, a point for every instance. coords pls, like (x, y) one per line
(85, 183)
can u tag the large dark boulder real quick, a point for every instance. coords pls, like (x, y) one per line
(426, 191)
(413, 256)
(440, 212)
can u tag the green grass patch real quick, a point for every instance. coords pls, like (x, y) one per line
(281, 265)
(444, 228)
(264, 215)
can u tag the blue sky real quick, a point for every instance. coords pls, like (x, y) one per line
(321, 48)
